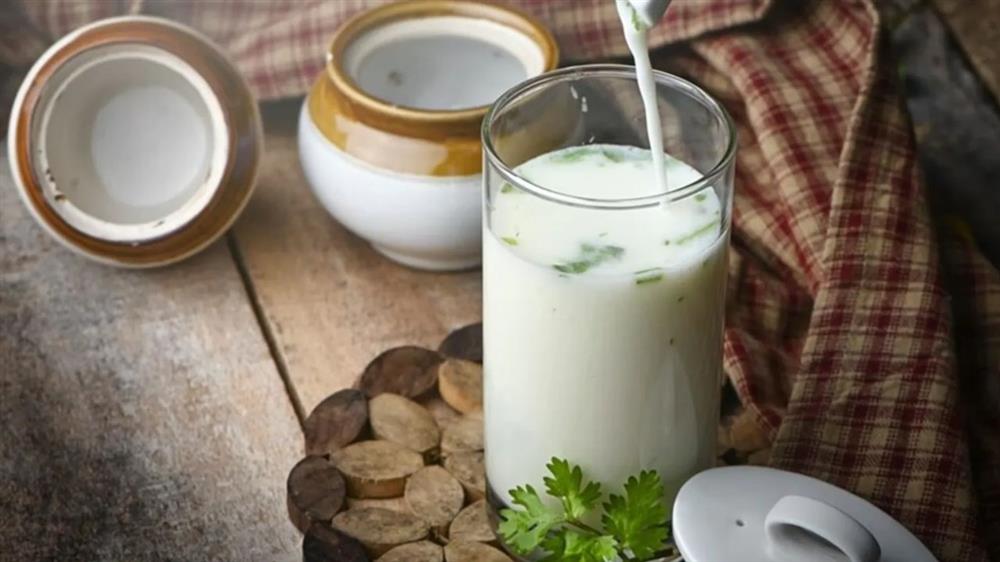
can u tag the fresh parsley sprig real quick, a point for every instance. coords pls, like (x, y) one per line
(635, 526)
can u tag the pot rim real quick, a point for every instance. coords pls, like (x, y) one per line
(363, 102)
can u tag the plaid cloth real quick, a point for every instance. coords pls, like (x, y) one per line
(844, 319)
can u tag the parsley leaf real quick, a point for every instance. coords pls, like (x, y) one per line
(634, 525)
(638, 520)
(524, 530)
(567, 485)
(589, 548)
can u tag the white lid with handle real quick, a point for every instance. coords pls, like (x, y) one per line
(756, 514)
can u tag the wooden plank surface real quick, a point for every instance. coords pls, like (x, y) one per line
(330, 302)
(976, 26)
(142, 416)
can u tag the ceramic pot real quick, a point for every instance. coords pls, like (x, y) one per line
(134, 142)
(389, 135)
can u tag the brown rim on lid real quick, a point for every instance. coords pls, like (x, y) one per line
(240, 115)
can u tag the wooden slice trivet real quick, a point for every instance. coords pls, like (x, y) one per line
(423, 551)
(378, 437)
(460, 383)
(472, 524)
(464, 435)
(435, 496)
(376, 469)
(379, 530)
(315, 492)
(465, 343)
(337, 421)
(323, 544)
(464, 551)
(404, 422)
(470, 471)
(408, 371)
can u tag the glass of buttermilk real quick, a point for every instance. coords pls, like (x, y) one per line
(603, 286)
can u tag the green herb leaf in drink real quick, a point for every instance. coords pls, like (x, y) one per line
(510, 241)
(651, 275)
(700, 231)
(591, 255)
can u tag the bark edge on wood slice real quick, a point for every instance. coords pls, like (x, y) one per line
(472, 524)
(469, 470)
(463, 435)
(376, 469)
(335, 422)
(464, 343)
(460, 383)
(380, 529)
(466, 551)
(315, 492)
(323, 544)
(404, 422)
(435, 496)
(407, 370)
(422, 551)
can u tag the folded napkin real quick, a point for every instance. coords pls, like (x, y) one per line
(841, 336)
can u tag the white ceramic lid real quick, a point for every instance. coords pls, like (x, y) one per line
(134, 141)
(756, 514)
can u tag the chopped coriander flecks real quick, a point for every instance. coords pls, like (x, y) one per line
(680, 298)
(700, 197)
(651, 277)
(506, 188)
(704, 229)
(613, 156)
(509, 240)
(590, 256)
(602, 235)
(574, 155)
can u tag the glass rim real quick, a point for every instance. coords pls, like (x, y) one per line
(619, 71)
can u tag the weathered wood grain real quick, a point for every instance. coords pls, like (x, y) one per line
(330, 302)
(141, 415)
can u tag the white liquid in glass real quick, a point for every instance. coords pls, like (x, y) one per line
(602, 328)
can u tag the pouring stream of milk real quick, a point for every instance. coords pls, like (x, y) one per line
(636, 26)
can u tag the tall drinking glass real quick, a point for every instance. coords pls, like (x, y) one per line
(603, 294)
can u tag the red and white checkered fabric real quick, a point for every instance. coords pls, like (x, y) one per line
(841, 335)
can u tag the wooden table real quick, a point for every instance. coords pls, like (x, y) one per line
(154, 415)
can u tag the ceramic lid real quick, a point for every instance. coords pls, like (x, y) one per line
(756, 514)
(134, 141)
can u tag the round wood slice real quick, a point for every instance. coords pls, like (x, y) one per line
(323, 544)
(408, 371)
(465, 343)
(336, 422)
(465, 551)
(460, 383)
(464, 435)
(442, 413)
(393, 504)
(376, 469)
(435, 496)
(404, 422)
(469, 470)
(380, 529)
(315, 492)
(472, 524)
(423, 551)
